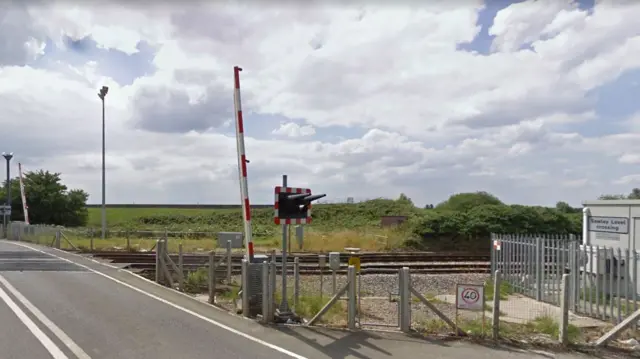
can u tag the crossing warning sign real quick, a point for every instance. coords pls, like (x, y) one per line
(470, 296)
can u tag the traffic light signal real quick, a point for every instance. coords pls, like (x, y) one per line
(293, 205)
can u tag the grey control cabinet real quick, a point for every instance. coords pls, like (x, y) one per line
(236, 238)
(334, 261)
(255, 278)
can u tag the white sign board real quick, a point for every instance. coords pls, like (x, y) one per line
(5, 210)
(618, 225)
(470, 296)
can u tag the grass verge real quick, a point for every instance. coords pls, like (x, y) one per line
(544, 328)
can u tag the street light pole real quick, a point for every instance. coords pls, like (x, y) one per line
(102, 94)
(7, 218)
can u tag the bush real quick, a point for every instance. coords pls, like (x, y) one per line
(477, 224)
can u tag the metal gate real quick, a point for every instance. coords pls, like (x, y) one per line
(391, 296)
(533, 265)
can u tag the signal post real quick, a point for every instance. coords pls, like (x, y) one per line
(292, 205)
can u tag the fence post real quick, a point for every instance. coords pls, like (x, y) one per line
(296, 282)
(273, 274)
(180, 268)
(493, 254)
(58, 235)
(404, 283)
(563, 335)
(266, 312)
(540, 263)
(212, 277)
(158, 264)
(128, 240)
(574, 270)
(228, 262)
(352, 300)
(495, 326)
(274, 277)
(245, 288)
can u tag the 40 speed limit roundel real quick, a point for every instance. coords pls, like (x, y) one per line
(470, 296)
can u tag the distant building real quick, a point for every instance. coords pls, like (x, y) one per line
(350, 200)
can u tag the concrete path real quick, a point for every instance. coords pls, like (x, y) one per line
(60, 305)
(521, 310)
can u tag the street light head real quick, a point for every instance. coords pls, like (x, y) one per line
(103, 92)
(7, 156)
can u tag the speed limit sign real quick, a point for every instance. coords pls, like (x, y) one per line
(470, 296)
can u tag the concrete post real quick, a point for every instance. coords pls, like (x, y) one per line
(565, 292)
(540, 262)
(212, 278)
(274, 271)
(245, 288)
(574, 265)
(296, 282)
(58, 235)
(352, 300)
(228, 262)
(495, 325)
(266, 303)
(158, 263)
(404, 283)
(272, 288)
(180, 268)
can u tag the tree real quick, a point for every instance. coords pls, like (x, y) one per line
(405, 199)
(635, 194)
(467, 201)
(564, 207)
(49, 201)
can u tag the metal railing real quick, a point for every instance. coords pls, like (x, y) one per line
(603, 280)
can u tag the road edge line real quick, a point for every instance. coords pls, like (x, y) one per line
(171, 304)
(43, 338)
(57, 331)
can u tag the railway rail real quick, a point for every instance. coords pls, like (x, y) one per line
(371, 263)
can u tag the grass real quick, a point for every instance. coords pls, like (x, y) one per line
(313, 242)
(325, 217)
(310, 304)
(544, 325)
(505, 290)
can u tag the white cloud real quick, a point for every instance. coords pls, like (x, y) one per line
(292, 129)
(418, 115)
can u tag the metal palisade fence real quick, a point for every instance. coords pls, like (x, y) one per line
(603, 281)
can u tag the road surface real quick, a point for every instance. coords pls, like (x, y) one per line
(62, 305)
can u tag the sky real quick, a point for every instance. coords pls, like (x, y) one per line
(534, 102)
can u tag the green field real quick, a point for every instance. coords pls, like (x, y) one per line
(464, 222)
(334, 226)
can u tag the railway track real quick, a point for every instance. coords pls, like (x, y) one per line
(371, 263)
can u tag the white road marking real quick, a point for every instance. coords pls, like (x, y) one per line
(162, 300)
(50, 346)
(64, 338)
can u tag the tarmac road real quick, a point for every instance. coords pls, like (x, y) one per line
(60, 305)
(103, 318)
